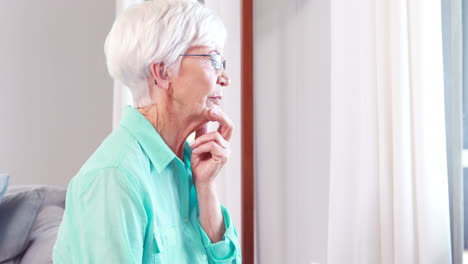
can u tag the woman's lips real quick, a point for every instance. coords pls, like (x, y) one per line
(216, 99)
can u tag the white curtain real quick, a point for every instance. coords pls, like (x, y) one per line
(292, 130)
(122, 95)
(388, 168)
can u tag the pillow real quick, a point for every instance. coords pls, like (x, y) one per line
(43, 236)
(30, 217)
(3, 184)
(18, 211)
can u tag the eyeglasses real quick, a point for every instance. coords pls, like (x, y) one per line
(217, 60)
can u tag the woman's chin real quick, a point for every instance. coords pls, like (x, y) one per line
(200, 113)
(213, 102)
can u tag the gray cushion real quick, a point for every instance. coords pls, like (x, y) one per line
(18, 211)
(43, 236)
(3, 184)
(32, 236)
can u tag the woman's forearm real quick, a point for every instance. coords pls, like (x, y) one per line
(211, 217)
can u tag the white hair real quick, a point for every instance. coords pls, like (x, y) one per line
(157, 32)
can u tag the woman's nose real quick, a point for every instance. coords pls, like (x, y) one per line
(224, 79)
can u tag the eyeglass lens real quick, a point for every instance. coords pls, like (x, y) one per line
(218, 61)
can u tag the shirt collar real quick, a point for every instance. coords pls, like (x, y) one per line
(153, 144)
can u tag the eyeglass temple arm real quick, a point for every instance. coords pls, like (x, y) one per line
(201, 55)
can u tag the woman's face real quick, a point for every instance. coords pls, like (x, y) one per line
(198, 85)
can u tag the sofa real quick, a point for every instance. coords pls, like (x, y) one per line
(30, 216)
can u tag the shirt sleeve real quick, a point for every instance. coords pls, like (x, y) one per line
(110, 222)
(226, 250)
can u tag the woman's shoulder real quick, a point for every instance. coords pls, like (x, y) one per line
(118, 149)
(120, 152)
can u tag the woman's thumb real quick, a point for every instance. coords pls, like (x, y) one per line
(201, 131)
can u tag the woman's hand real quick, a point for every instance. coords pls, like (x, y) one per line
(210, 151)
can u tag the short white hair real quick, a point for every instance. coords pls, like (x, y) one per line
(157, 32)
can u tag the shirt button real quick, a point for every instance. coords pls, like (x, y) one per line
(204, 257)
(185, 219)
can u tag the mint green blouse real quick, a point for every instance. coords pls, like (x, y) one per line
(134, 201)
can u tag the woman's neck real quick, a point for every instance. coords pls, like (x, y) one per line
(171, 125)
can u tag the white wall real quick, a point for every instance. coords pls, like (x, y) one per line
(55, 93)
(292, 130)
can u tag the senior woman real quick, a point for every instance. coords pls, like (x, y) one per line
(146, 195)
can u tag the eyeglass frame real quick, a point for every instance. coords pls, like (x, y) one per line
(222, 61)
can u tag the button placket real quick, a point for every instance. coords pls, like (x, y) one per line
(183, 191)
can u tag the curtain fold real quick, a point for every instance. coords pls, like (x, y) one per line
(452, 28)
(388, 169)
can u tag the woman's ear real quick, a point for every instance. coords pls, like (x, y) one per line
(160, 76)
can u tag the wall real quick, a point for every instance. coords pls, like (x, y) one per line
(292, 130)
(55, 93)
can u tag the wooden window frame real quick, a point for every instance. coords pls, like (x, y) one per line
(247, 132)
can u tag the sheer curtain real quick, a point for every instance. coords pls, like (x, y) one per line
(292, 130)
(388, 169)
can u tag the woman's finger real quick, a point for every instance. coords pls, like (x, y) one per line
(212, 136)
(219, 153)
(225, 123)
